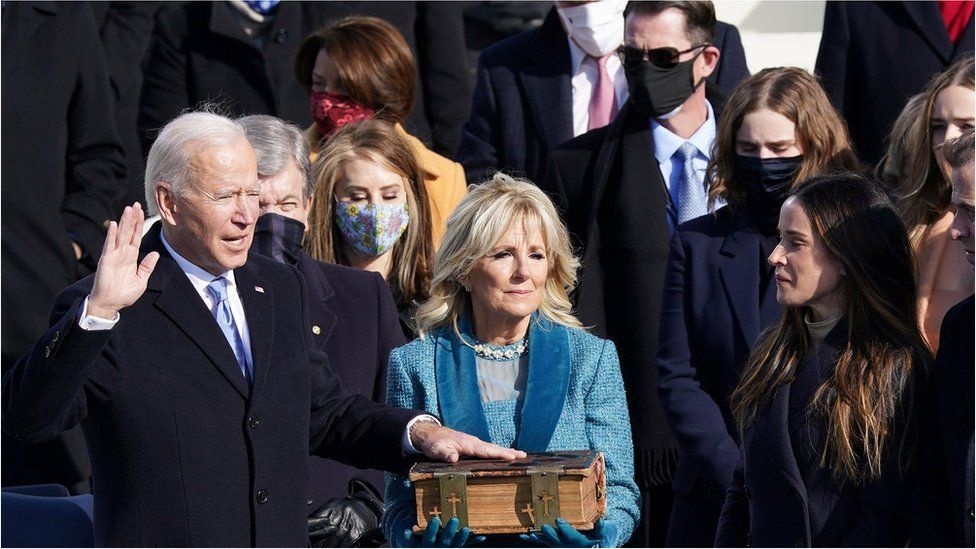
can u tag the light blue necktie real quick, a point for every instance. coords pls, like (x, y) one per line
(217, 290)
(692, 198)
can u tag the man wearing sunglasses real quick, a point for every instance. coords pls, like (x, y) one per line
(542, 87)
(622, 190)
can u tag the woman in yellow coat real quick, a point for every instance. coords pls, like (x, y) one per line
(361, 67)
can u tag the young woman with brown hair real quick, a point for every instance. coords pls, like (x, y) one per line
(915, 171)
(370, 211)
(776, 129)
(825, 404)
(361, 67)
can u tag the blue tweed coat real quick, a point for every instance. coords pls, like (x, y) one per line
(575, 392)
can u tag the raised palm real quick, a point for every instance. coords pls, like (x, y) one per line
(120, 278)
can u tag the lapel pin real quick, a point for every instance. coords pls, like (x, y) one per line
(259, 289)
(316, 330)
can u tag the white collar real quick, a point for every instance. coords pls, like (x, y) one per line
(200, 278)
(576, 56)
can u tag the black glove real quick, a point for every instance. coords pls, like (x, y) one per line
(351, 521)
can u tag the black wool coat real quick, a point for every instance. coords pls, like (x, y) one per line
(184, 451)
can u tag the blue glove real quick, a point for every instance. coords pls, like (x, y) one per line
(435, 537)
(604, 533)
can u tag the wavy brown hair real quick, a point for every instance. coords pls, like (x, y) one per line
(374, 63)
(868, 397)
(798, 96)
(381, 143)
(909, 168)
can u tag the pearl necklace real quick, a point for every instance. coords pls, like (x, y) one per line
(508, 352)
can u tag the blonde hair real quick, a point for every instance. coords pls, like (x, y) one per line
(379, 142)
(480, 220)
(909, 168)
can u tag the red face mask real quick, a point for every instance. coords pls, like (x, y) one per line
(332, 112)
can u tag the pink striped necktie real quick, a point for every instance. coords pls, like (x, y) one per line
(603, 107)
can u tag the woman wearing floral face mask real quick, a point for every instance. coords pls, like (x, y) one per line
(359, 68)
(370, 211)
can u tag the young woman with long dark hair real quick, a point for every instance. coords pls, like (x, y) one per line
(825, 405)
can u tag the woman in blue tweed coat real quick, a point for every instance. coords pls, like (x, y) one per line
(497, 339)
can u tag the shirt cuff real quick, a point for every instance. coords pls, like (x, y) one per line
(408, 446)
(91, 323)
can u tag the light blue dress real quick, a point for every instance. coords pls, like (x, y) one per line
(574, 389)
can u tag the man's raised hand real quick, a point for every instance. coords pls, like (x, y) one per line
(119, 278)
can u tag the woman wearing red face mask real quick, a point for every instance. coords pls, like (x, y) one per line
(361, 67)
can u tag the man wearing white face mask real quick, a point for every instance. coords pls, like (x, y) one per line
(542, 87)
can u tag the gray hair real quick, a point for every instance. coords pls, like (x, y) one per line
(170, 156)
(275, 142)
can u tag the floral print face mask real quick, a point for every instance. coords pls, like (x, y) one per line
(373, 229)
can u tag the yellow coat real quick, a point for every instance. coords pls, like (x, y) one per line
(444, 179)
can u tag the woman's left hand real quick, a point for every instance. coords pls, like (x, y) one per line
(564, 535)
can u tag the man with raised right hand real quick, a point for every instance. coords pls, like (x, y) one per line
(192, 370)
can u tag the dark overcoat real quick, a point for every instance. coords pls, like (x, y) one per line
(184, 451)
(711, 315)
(522, 107)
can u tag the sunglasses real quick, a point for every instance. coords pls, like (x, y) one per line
(665, 58)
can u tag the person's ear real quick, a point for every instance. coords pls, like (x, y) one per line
(166, 201)
(709, 61)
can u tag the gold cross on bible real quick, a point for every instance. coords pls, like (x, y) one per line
(435, 513)
(528, 511)
(454, 500)
(546, 498)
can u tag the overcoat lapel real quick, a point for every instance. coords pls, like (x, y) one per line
(547, 85)
(740, 277)
(772, 431)
(457, 385)
(319, 291)
(547, 385)
(179, 301)
(928, 19)
(257, 295)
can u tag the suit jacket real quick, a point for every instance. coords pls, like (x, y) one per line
(184, 451)
(711, 316)
(200, 53)
(942, 493)
(522, 107)
(774, 500)
(573, 389)
(62, 170)
(354, 321)
(606, 182)
(875, 55)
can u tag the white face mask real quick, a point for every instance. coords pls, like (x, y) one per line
(596, 27)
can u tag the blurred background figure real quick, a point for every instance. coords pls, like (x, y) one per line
(353, 317)
(361, 67)
(828, 402)
(542, 87)
(915, 171)
(369, 211)
(501, 355)
(242, 53)
(942, 496)
(63, 170)
(875, 55)
(778, 129)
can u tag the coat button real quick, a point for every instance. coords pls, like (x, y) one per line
(252, 421)
(316, 330)
(308, 501)
(281, 36)
(972, 515)
(262, 497)
(47, 352)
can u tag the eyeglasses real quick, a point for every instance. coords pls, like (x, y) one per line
(665, 58)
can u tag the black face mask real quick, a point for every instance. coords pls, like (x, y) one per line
(767, 184)
(656, 91)
(278, 237)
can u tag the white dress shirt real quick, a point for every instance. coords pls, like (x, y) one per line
(200, 279)
(666, 143)
(586, 74)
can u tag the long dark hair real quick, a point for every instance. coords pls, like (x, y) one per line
(870, 384)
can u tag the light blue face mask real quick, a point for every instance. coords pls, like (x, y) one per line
(373, 229)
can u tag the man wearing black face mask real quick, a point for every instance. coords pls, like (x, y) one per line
(622, 190)
(353, 317)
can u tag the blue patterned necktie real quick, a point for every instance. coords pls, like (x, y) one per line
(217, 290)
(692, 198)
